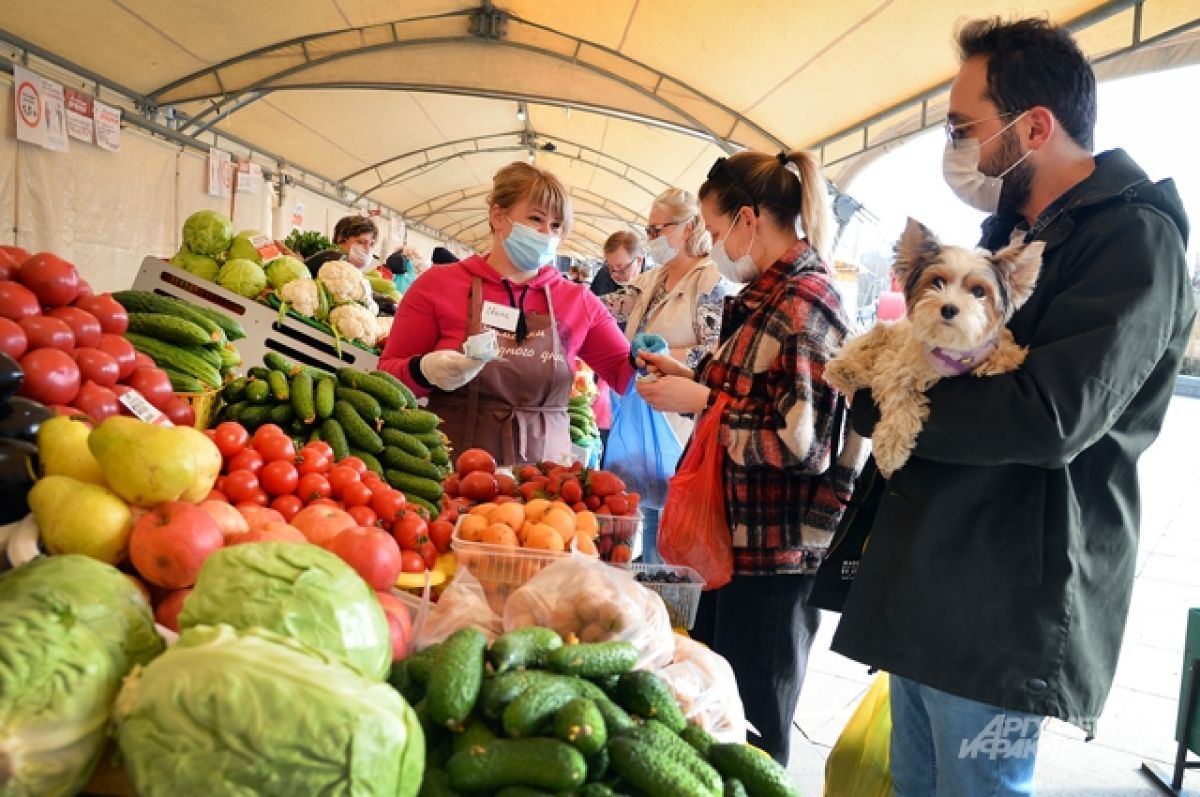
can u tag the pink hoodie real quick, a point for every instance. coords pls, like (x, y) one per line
(433, 316)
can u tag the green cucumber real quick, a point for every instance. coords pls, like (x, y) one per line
(668, 746)
(700, 739)
(456, 678)
(323, 397)
(594, 659)
(278, 382)
(393, 457)
(579, 723)
(405, 442)
(650, 773)
(542, 763)
(230, 357)
(643, 693)
(759, 773)
(534, 707)
(332, 433)
(301, 393)
(282, 415)
(169, 329)
(148, 302)
(422, 662)
(506, 687)
(254, 416)
(358, 431)
(411, 485)
(381, 390)
(373, 464)
(233, 390)
(523, 647)
(410, 401)
(476, 733)
(191, 361)
(257, 392)
(182, 383)
(415, 421)
(365, 405)
(277, 362)
(232, 329)
(439, 456)
(734, 788)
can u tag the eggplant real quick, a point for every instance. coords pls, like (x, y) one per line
(11, 377)
(20, 419)
(18, 463)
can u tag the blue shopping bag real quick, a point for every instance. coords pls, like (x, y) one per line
(642, 447)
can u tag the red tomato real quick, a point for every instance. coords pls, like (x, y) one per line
(342, 476)
(276, 447)
(231, 438)
(287, 505)
(82, 323)
(475, 459)
(12, 338)
(180, 412)
(374, 480)
(266, 430)
(98, 366)
(506, 485)
(372, 553)
(429, 553)
(122, 351)
(451, 485)
(247, 459)
(363, 515)
(85, 289)
(216, 495)
(312, 460)
(17, 301)
(44, 332)
(52, 279)
(98, 402)
(18, 254)
(143, 360)
(240, 486)
(51, 376)
(154, 384)
(279, 477)
(8, 264)
(107, 310)
(478, 486)
(357, 464)
(260, 498)
(325, 502)
(312, 486)
(387, 503)
(357, 494)
(322, 446)
(411, 562)
(410, 530)
(440, 532)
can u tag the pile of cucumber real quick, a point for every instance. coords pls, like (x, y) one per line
(584, 431)
(372, 416)
(534, 716)
(192, 344)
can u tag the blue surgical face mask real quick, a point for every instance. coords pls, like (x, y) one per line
(529, 249)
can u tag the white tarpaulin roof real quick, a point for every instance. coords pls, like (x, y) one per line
(414, 105)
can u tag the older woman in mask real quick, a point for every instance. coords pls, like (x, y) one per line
(513, 401)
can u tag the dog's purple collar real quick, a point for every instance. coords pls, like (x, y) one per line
(953, 362)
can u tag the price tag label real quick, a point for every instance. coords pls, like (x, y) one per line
(500, 317)
(267, 249)
(143, 410)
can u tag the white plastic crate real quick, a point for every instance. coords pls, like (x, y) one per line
(292, 338)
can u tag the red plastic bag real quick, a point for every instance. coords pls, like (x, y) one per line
(693, 530)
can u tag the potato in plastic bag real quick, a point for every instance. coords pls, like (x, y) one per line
(595, 602)
(462, 604)
(705, 688)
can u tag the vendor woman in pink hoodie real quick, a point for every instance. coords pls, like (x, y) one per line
(514, 406)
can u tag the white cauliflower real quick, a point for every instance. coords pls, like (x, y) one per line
(383, 328)
(344, 282)
(354, 322)
(302, 295)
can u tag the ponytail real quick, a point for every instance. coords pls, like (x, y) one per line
(815, 214)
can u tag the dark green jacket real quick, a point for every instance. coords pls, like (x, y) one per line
(1001, 560)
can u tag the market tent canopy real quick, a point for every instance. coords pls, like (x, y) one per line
(413, 106)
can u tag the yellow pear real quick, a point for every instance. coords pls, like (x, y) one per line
(80, 517)
(63, 449)
(148, 465)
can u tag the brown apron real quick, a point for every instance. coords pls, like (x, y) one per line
(516, 408)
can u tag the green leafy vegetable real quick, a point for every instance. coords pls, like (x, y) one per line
(307, 243)
(202, 266)
(242, 249)
(284, 269)
(207, 232)
(243, 277)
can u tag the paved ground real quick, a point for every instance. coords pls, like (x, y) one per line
(1139, 721)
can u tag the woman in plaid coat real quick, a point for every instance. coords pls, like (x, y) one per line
(781, 493)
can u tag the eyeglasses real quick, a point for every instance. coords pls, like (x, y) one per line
(955, 134)
(719, 168)
(655, 230)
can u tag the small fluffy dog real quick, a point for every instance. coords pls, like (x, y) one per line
(958, 302)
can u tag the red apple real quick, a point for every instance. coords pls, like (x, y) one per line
(268, 532)
(321, 523)
(167, 612)
(170, 543)
(228, 519)
(399, 623)
(373, 553)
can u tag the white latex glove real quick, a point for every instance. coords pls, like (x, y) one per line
(450, 370)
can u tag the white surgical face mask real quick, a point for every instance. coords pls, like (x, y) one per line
(360, 256)
(740, 270)
(960, 168)
(661, 250)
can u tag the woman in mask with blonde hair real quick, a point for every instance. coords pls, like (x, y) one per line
(510, 398)
(769, 219)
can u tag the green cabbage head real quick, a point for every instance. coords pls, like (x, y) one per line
(284, 269)
(202, 266)
(98, 595)
(243, 277)
(207, 232)
(57, 685)
(250, 712)
(242, 248)
(300, 591)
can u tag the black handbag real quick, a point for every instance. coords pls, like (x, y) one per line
(836, 573)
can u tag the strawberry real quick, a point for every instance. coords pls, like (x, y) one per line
(603, 483)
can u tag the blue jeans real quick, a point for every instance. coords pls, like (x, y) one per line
(650, 516)
(948, 746)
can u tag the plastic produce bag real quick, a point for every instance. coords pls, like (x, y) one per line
(693, 529)
(462, 604)
(705, 688)
(858, 764)
(642, 447)
(584, 597)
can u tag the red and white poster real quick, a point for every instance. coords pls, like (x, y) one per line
(108, 126)
(220, 173)
(56, 116)
(30, 106)
(79, 115)
(249, 178)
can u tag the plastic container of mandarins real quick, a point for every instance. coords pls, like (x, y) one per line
(500, 569)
